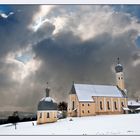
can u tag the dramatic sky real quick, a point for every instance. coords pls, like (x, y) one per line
(59, 44)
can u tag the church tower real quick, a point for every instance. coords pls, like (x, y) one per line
(119, 75)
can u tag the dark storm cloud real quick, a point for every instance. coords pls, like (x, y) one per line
(76, 43)
(133, 9)
(68, 59)
(43, 32)
(14, 33)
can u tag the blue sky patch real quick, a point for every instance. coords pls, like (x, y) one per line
(5, 8)
(24, 58)
(134, 10)
(138, 42)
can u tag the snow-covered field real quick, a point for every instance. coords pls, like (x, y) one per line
(126, 124)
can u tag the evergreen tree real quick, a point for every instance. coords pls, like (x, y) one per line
(62, 106)
(14, 118)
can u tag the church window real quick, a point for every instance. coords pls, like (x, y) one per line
(115, 105)
(48, 115)
(88, 104)
(40, 115)
(108, 106)
(88, 111)
(82, 104)
(73, 105)
(119, 78)
(101, 105)
(122, 104)
(83, 111)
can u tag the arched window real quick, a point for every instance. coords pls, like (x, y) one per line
(101, 105)
(88, 111)
(73, 105)
(41, 115)
(48, 115)
(122, 104)
(83, 111)
(115, 105)
(108, 105)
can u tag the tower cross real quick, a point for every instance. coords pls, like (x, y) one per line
(118, 60)
(47, 90)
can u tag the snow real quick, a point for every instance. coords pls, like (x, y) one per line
(47, 99)
(119, 65)
(85, 91)
(124, 124)
(125, 108)
(133, 102)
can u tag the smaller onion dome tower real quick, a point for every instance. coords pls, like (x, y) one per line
(47, 109)
(119, 75)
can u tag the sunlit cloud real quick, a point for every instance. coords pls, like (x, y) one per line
(40, 17)
(22, 69)
(4, 15)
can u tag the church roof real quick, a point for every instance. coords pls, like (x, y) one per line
(47, 103)
(119, 68)
(85, 92)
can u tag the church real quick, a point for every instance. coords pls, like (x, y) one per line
(47, 109)
(90, 100)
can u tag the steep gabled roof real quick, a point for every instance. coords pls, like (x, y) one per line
(85, 92)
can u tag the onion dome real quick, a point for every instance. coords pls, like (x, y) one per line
(119, 67)
(47, 103)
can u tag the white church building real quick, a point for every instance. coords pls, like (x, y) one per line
(89, 100)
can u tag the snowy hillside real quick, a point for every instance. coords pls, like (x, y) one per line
(127, 124)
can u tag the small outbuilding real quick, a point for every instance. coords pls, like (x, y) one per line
(47, 109)
(134, 106)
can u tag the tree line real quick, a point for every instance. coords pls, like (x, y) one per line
(14, 118)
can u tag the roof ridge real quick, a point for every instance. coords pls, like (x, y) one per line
(95, 84)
